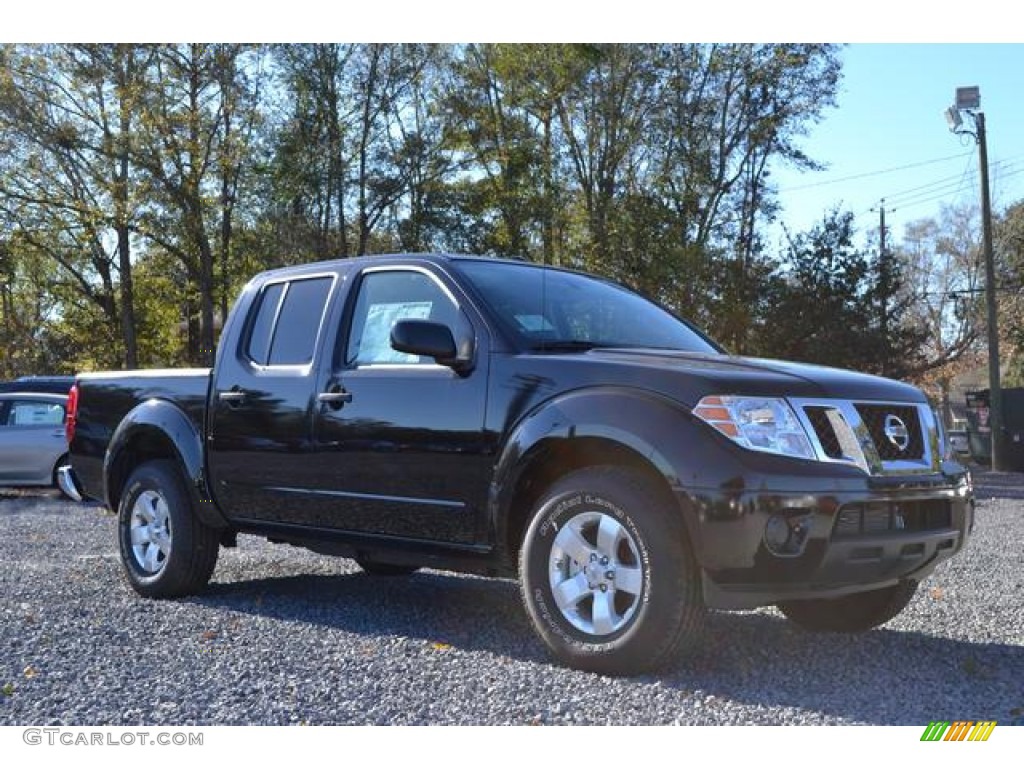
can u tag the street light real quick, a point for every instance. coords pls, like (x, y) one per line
(969, 100)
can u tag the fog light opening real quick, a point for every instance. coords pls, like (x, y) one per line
(786, 535)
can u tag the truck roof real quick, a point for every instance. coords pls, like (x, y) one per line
(355, 262)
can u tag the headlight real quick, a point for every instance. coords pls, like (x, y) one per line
(758, 423)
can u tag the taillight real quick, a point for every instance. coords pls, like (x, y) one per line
(71, 413)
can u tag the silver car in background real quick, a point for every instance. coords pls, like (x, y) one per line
(33, 446)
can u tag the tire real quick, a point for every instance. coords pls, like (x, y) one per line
(166, 550)
(607, 573)
(375, 568)
(858, 612)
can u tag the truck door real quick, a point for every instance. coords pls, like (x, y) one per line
(263, 393)
(399, 446)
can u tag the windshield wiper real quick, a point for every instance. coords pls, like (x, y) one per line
(564, 345)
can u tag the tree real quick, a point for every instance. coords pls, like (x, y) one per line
(820, 306)
(944, 278)
(494, 137)
(192, 158)
(727, 114)
(646, 163)
(67, 112)
(309, 183)
(1009, 237)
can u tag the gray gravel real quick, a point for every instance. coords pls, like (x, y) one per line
(285, 636)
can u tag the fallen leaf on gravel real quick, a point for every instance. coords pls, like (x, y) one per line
(30, 672)
(440, 646)
(971, 666)
(8, 689)
(936, 593)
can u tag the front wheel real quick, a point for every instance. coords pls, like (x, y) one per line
(607, 574)
(858, 612)
(166, 549)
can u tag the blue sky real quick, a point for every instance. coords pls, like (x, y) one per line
(889, 116)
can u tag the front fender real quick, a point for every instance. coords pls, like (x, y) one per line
(659, 430)
(154, 428)
(636, 419)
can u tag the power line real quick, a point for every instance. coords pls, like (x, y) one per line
(945, 196)
(937, 182)
(869, 174)
(958, 180)
(942, 191)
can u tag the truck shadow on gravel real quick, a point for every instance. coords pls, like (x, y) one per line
(468, 613)
(886, 676)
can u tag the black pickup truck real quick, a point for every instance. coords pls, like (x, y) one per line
(503, 418)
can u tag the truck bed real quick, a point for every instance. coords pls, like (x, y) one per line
(106, 398)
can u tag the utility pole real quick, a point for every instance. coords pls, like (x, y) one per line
(995, 389)
(969, 100)
(884, 289)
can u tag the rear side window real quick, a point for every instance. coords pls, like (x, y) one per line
(30, 413)
(288, 321)
(263, 328)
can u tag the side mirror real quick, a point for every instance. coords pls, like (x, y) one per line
(423, 337)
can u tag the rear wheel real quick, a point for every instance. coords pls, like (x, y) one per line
(166, 550)
(852, 613)
(607, 573)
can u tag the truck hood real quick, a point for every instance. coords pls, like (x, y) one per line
(689, 376)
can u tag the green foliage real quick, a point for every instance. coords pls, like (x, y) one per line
(825, 305)
(142, 185)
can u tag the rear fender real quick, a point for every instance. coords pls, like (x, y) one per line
(159, 429)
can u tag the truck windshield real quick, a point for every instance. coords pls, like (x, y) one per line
(548, 309)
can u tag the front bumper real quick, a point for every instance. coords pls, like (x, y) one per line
(862, 534)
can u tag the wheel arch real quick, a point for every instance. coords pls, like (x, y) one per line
(592, 427)
(158, 429)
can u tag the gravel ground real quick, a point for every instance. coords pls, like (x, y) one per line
(285, 636)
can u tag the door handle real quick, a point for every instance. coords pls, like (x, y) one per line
(233, 396)
(335, 397)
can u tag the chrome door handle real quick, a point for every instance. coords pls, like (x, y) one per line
(232, 396)
(335, 397)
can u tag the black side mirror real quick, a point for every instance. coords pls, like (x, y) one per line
(423, 337)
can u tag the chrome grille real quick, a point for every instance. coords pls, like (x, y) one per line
(818, 416)
(880, 438)
(875, 417)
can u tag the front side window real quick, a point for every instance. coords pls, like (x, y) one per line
(287, 322)
(384, 299)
